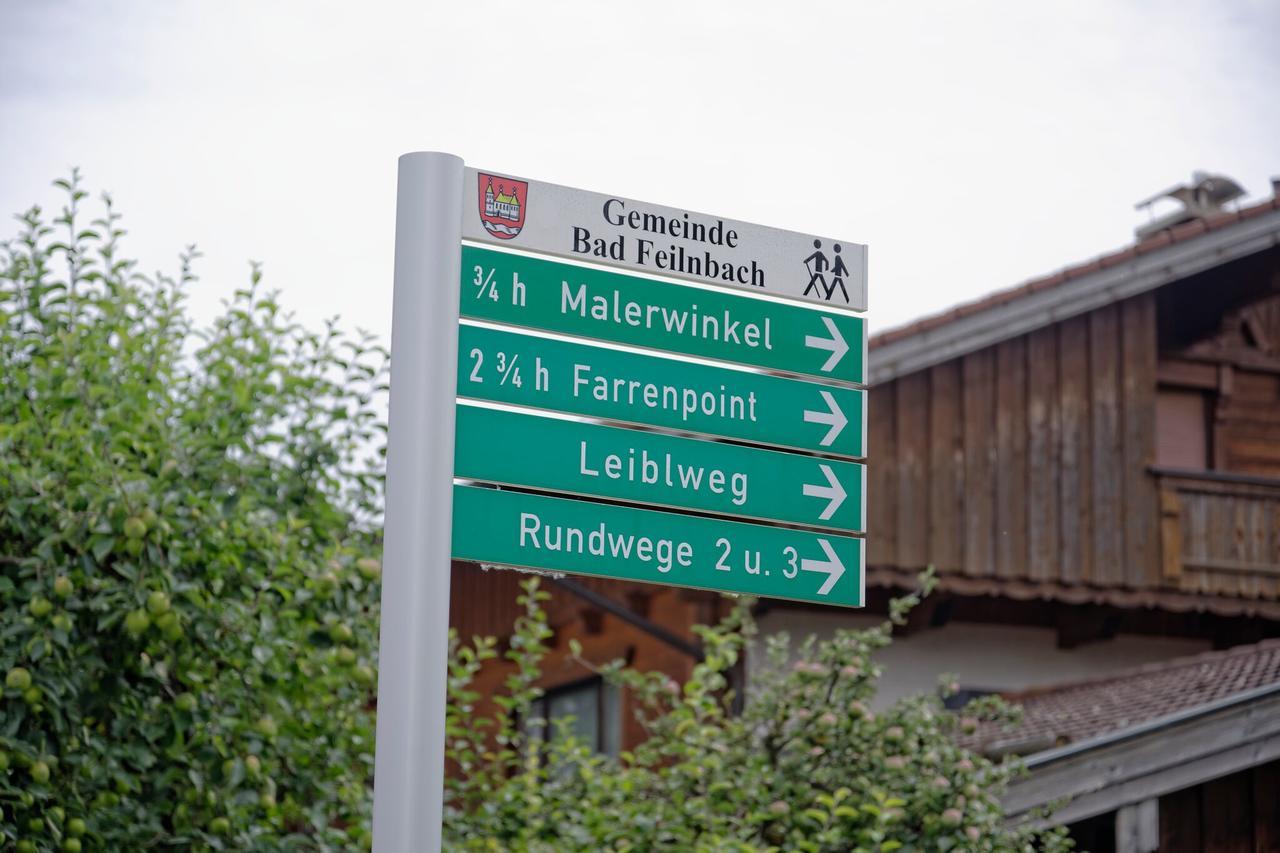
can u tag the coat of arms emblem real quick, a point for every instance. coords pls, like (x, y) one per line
(502, 205)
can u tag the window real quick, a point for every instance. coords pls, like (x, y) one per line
(594, 707)
(1182, 440)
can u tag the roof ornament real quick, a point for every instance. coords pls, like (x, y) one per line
(1205, 196)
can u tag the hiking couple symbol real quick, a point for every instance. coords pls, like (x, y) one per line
(817, 264)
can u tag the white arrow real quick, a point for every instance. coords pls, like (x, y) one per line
(833, 492)
(832, 417)
(836, 344)
(831, 567)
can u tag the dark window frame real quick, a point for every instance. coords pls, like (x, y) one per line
(607, 699)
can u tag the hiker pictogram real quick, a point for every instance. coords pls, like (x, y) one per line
(818, 264)
(838, 272)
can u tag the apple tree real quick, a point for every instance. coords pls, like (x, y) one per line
(188, 557)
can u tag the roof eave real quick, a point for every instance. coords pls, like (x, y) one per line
(1060, 753)
(1130, 766)
(1024, 314)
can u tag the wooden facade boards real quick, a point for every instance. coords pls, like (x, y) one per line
(912, 463)
(1075, 474)
(1030, 460)
(1138, 386)
(881, 475)
(1237, 812)
(1044, 455)
(1037, 459)
(1105, 448)
(1221, 534)
(1228, 806)
(946, 467)
(1011, 458)
(979, 401)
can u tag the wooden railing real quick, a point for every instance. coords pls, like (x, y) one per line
(1220, 532)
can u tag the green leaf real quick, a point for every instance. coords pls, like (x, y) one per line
(100, 546)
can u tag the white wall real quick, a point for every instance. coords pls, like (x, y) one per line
(992, 657)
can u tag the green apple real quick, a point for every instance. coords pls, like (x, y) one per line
(157, 603)
(17, 679)
(170, 626)
(137, 622)
(135, 527)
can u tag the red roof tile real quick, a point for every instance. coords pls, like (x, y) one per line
(1081, 710)
(1167, 237)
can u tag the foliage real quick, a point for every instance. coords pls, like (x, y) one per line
(188, 574)
(805, 766)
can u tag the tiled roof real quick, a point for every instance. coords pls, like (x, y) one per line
(1167, 237)
(1069, 713)
(1171, 600)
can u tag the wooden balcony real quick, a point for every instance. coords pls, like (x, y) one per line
(1220, 532)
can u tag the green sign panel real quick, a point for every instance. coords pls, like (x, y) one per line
(507, 367)
(626, 543)
(646, 467)
(592, 303)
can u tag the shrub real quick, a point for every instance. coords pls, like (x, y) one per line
(805, 766)
(184, 514)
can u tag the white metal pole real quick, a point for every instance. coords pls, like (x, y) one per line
(409, 764)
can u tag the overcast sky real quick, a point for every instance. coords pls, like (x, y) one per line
(971, 145)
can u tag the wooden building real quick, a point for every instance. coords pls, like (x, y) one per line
(1109, 435)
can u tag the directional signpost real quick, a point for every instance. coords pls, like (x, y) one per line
(635, 392)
